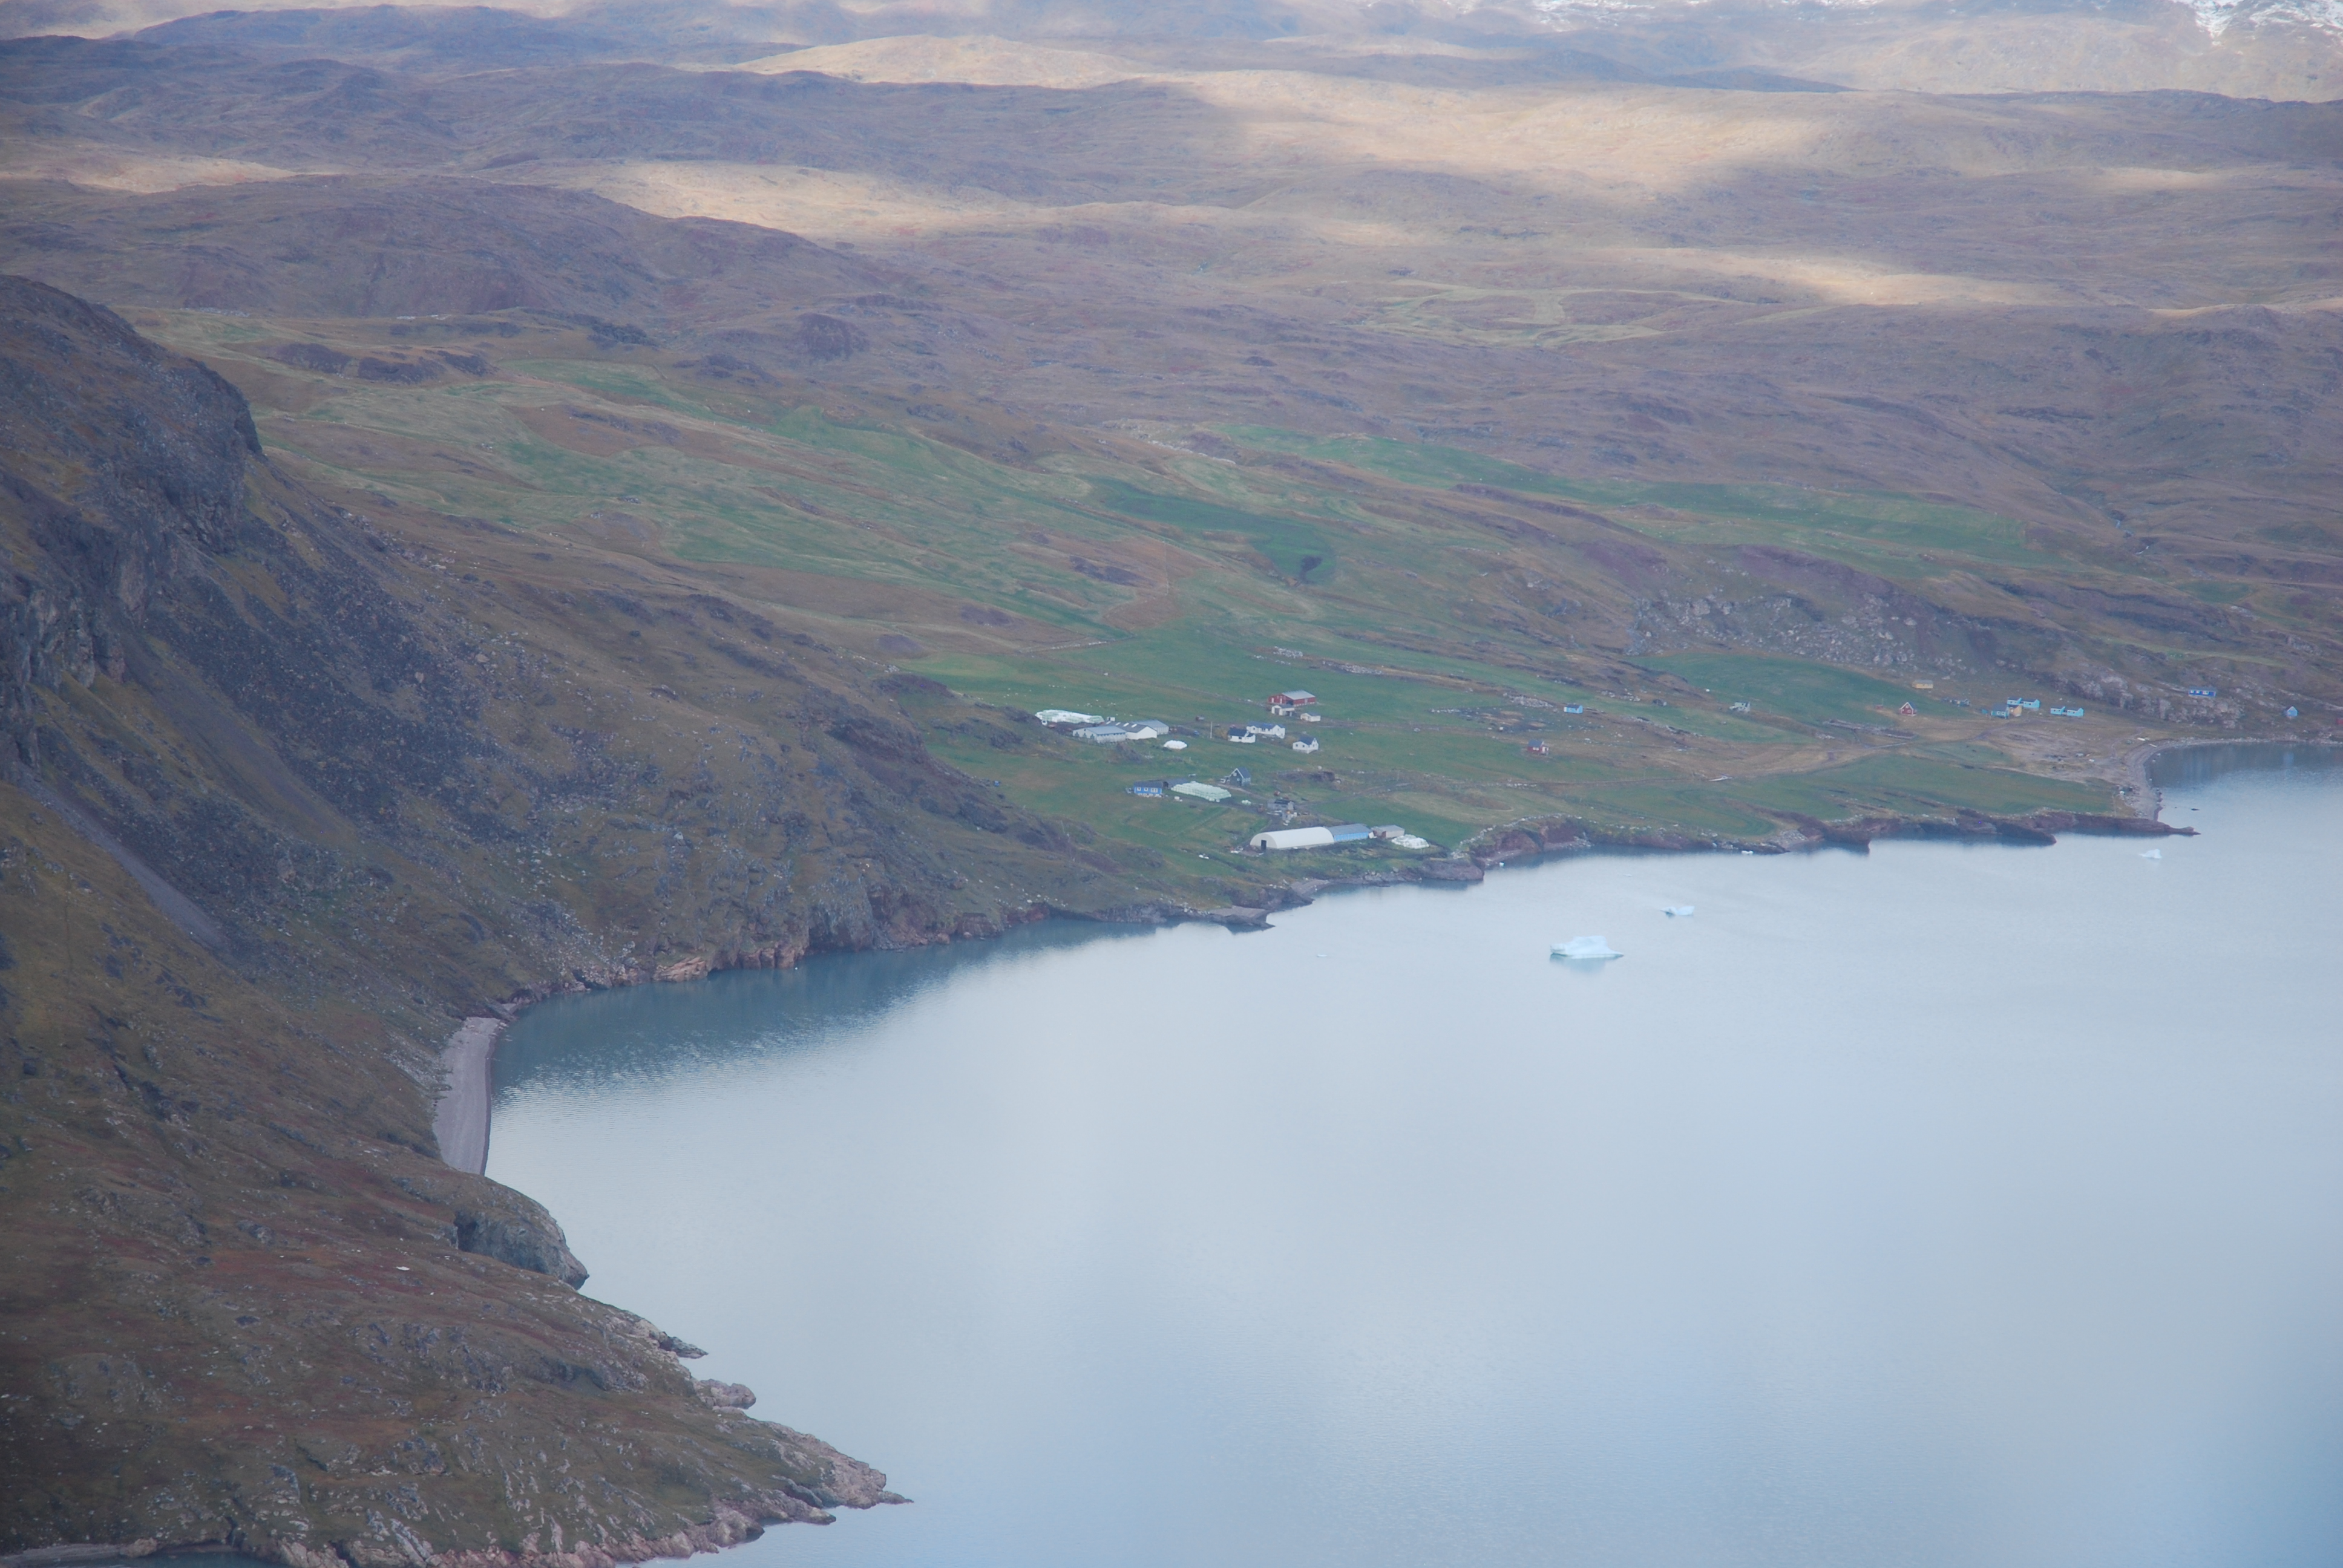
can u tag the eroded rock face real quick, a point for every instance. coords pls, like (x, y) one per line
(119, 505)
(517, 1230)
(822, 337)
(725, 1395)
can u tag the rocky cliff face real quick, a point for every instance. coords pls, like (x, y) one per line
(288, 796)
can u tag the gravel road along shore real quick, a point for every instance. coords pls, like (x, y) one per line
(460, 1121)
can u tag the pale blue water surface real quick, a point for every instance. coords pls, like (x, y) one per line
(1940, 1206)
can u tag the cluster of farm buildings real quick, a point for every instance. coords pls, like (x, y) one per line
(1296, 704)
(1101, 730)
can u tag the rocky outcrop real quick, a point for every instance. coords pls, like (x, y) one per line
(725, 1395)
(116, 507)
(516, 1230)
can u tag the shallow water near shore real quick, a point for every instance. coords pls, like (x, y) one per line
(1944, 1205)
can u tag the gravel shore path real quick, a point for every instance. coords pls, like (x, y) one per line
(460, 1121)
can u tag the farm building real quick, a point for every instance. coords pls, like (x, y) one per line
(1318, 838)
(1151, 787)
(1195, 791)
(1287, 701)
(1109, 734)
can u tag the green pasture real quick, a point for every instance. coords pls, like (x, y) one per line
(1919, 784)
(1794, 688)
(1296, 549)
(1349, 567)
(1867, 528)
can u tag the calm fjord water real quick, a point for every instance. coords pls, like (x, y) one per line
(1941, 1206)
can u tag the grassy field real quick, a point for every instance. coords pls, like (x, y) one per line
(1446, 607)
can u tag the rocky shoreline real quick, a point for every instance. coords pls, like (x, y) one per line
(469, 1054)
(1536, 838)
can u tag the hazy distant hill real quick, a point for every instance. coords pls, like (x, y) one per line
(2255, 48)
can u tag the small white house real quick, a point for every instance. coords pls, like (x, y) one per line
(1266, 731)
(1307, 743)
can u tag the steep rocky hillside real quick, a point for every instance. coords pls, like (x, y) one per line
(289, 792)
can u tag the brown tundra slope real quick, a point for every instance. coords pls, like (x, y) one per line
(289, 794)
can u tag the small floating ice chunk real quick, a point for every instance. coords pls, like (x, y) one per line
(1678, 911)
(1585, 947)
(2151, 854)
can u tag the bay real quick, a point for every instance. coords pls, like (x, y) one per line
(1941, 1205)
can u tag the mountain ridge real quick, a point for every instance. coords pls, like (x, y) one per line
(2286, 49)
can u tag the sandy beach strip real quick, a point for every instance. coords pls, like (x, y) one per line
(460, 1120)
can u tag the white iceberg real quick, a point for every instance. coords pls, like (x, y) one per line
(2151, 854)
(1677, 911)
(1585, 947)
